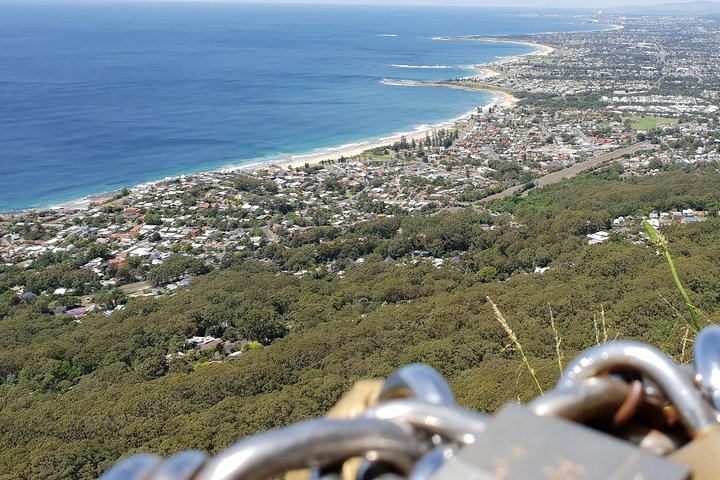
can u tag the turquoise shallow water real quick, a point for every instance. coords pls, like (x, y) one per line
(97, 96)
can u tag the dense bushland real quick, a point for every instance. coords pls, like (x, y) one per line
(77, 396)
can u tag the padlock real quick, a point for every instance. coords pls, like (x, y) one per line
(521, 445)
(617, 402)
(585, 399)
(411, 381)
(362, 395)
(618, 390)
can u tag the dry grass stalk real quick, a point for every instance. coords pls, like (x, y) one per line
(516, 342)
(519, 372)
(597, 330)
(684, 343)
(672, 307)
(604, 326)
(558, 340)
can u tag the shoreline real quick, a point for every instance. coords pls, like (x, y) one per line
(541, 49)
(363, 146)
(501, 99)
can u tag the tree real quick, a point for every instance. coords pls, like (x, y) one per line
(97, 250)
(261, 325)
(487, 274)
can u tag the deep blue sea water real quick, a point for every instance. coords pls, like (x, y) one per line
(96, 96)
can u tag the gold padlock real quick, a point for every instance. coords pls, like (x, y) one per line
(363, 395)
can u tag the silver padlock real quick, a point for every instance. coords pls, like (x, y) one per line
(521, 445)
(703, 453)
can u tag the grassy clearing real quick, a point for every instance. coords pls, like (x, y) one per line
(651, 123)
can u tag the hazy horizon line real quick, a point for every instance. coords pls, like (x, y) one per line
(526, 4)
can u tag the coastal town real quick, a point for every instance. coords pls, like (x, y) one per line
(653, 97)
(221, 223)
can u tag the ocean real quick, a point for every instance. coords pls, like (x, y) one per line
(95, 96)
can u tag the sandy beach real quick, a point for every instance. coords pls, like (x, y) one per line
(541, 49)
(335, 154)
(503, 99)
(485, 71)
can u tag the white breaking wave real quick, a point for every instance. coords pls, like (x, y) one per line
(348, 145)
(401, 83)
(386, 35)
(425, 127)
(424, 67)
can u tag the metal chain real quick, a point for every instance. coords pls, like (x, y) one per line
(415, 426)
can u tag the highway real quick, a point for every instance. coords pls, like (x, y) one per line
(572, 170)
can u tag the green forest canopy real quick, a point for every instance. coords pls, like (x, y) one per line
(75, 397)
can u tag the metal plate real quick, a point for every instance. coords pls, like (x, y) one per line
(520, 445)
